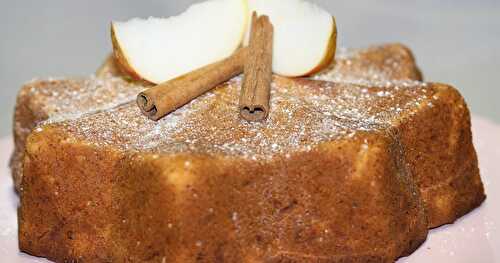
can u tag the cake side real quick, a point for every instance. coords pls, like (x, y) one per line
(26, 116)
(104, 204)
(442, 158)
(58, 176)
(437, 140)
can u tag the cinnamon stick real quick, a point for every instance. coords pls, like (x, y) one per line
(256, 89)
(165, 98)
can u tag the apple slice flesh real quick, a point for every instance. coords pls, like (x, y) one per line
(305, 35)
(160, 49)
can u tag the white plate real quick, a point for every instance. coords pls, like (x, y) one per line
(473, 238)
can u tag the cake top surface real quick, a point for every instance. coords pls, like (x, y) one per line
(373, 64)
(61, 99)
(303, 113)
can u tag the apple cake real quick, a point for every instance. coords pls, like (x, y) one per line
(354, 170)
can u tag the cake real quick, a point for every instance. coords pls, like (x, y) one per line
(354, 170)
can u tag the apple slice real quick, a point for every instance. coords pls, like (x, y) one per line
(160, 49)
(305, 35)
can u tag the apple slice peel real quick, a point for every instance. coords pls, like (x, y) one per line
(160, 49)
(305, 35)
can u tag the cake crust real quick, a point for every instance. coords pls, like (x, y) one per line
(156, 209)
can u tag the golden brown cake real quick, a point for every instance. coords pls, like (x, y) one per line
(333, 176)
(341, 172)
(56, 100)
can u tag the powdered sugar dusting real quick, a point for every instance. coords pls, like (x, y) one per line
(102, 110)
(376, 64)
(63, 99)
(303, 114)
